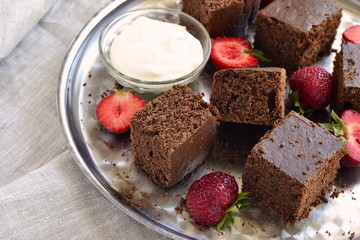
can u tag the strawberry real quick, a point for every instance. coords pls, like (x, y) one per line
(264, 3)
(352, 134)
(315, 86)
(347, 129)
(211, 198)
(115, 111)
(352, 34)
(232, 52)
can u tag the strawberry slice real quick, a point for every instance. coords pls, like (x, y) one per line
(352, 134)
(232, 52)
(115, 111)
(352, 34)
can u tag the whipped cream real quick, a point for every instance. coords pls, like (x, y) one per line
(152, 50)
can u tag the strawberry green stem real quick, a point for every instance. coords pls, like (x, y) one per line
(258, 54)
(337, 127)
(239, 203)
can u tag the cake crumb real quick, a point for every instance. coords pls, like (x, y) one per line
(352, 236)
(129, 195)
(289, 5)
(179, 209)
(351, 61)
(301, 153)
(320, 161)
(145, 195)
(282, 144)
(262, 149)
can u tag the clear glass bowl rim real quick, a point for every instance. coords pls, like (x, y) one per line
(149, 10)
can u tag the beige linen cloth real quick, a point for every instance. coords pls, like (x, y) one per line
(43, 193)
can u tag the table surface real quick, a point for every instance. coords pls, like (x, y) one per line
(43, 193)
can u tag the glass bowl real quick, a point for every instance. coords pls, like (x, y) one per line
(114, 28)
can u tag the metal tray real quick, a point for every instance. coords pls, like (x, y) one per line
(106, 159)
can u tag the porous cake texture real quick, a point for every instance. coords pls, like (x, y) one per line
(173, 134)
(347, 77)
(250, 95)
(223, 17)
(297, 33)
(291, 167)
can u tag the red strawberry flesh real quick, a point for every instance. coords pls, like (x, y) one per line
(352, 34)
(229, 52)
(352, 122)
(115, 111)
(209, 197)
(315, 86)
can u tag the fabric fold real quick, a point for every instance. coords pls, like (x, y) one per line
(57, 201)
(17, 18)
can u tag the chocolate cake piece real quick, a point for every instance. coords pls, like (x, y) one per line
(225, 17)
(291, 167)
(297, 33)
(172, 135)
(250, 95)
(347, 77)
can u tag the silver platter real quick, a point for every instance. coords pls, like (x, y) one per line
(106, 158)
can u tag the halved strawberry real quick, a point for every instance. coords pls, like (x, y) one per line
(352, 34)
(352, 134)
(347, 129)
(115, 111)
(231, 52)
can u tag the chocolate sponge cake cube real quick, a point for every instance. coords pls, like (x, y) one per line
(173, 134)
(291, 167)
(297, 33)
(225, 17)
(250, 95)
(347, 77)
